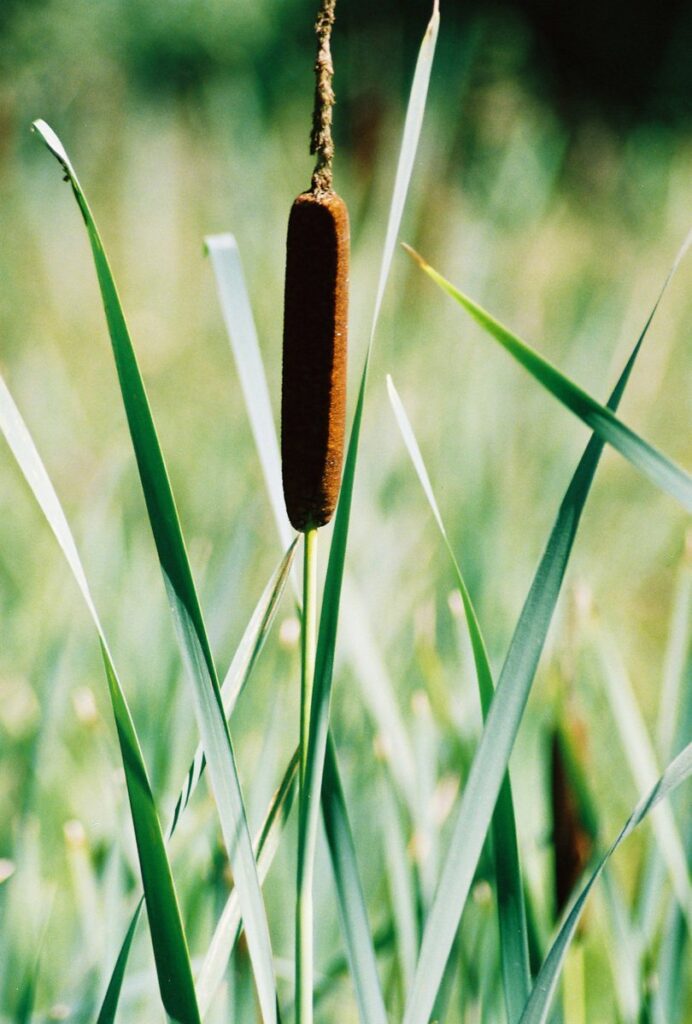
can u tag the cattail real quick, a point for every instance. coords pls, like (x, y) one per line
(573, 825)
(313, 399)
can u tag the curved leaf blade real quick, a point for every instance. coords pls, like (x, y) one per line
(505, 714)
(237, 676)
(647, 459)
(514, 944)
(642, 761)
(239, 670)
(185, 607)
(167, 933)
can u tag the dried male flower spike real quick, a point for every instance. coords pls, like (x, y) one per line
(313, 394)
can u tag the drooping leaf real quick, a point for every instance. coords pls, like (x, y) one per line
(185, 606)
(647, 459)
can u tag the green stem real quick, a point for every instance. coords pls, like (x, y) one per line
(306, 851)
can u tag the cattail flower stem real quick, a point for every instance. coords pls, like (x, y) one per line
(321, 143)
(304, 955)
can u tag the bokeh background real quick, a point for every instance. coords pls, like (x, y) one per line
(553, 185)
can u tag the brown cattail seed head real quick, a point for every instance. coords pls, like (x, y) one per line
(313, 396)
(572, 842)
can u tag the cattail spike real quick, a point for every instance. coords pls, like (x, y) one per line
(572, 838)
(313, 401)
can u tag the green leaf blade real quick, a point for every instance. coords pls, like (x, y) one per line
(228, 927)
(504, 717)
(647, 459)
(185, 607)
(236, 677)
(167, 933)
(354, 918)
(514, 946)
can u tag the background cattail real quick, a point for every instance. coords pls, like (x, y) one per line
(313, 399)
(574, 827)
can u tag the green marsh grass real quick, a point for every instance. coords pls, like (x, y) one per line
(495, 479)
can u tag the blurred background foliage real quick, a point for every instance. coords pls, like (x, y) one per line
(553, 185)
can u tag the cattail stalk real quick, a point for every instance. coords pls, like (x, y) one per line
(313, 400)
(313, 414)
(304, 955)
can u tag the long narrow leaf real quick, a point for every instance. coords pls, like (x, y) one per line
(652, 463)
(673, 709)
(377, 689)
(409, 146)
(400, 884)
(167, 934)
(238, 673)
(354, 918)
(502, 724)
(641, 758)
(241, 666)
(624, 955)
(109, 1006)
(229, 924)
(675, 662)
(538, 1005)
(514, 946)
(242, 333)
(185, 607)
(668, 997)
